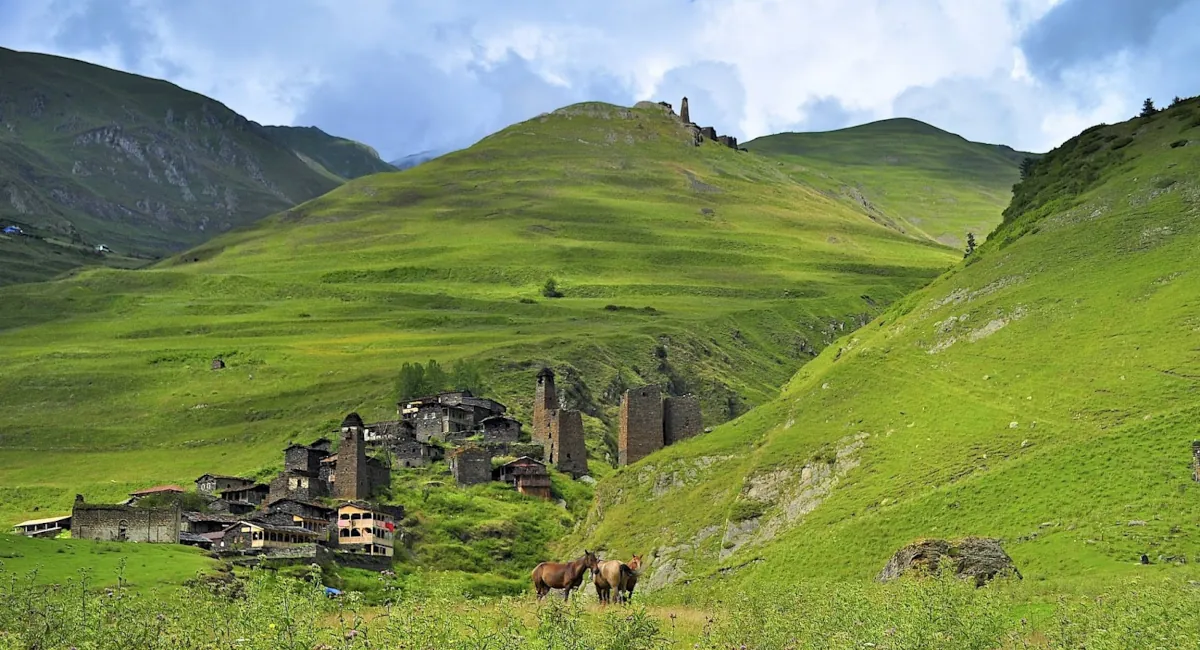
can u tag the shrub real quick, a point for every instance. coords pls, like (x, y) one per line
(1179, 143)
(744, 509)
(550, 289)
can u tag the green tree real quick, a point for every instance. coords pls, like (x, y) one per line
(469, 375)
(1177, 101)
(417, 380)
(1148, 108)
(1027, 164)
(970, 244)
(550, 289)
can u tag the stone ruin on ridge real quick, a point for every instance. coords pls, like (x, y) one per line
(559, 430)
(702, 133)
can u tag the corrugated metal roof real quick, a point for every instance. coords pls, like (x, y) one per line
(47, 520)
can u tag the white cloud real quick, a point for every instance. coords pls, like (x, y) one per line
(432, 73)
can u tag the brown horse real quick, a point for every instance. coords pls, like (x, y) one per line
(562, 575)
(614, 574)
(630, 577)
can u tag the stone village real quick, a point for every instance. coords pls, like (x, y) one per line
(323, 505)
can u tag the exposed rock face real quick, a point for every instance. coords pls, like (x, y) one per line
(978, 558)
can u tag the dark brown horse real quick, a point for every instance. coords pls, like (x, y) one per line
(562, 575)
(629, 577)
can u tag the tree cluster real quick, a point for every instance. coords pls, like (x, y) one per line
(419, 380)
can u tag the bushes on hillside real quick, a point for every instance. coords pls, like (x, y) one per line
(419, 380)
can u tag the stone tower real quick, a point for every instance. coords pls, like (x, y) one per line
(545, 402)
(350, 478)
(566, 448)
(681, 419)
(683, 112)
(641, 425)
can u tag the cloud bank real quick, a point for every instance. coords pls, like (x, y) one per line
(406, 76)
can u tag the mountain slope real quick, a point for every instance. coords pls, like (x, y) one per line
(907, 174)
(345, 159)
(92, 156)
(1045, 392)
(414, 159)
(702, 268)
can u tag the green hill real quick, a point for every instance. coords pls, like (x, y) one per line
(1046, 392)
(703, 268)
(92, 156)
(906, 174)
(345, 159)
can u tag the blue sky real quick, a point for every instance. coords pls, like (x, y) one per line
(406, 76)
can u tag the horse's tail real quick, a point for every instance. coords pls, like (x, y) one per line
(627, 576)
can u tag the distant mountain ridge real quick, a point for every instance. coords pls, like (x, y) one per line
(414, 159)
(906, 174)
(91, 156)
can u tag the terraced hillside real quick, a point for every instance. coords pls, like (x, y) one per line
(702, 268)
(1046, 392)
(905, 174)
(91, 156)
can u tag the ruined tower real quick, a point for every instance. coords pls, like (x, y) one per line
(545, 402)
(566, 448)
(681, 419)
(350, 476)
(641, 425)
(683, 112)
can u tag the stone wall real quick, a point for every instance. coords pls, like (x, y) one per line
(471, 465)
(566, 449)
(501, 429)
(302, 487)
(427, 422)
(1196, 460)
(379, 475)
(641, 424)
(545, 402)
(681, 419)
(114, 523)
(298, 458)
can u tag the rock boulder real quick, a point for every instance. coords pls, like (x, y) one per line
(977, 558)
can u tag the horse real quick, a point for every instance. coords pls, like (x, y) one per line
(614, 574)
(629, 574)
(562, 575)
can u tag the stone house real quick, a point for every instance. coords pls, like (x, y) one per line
(366, 528)
(248, 535)
(249, 496)
(217, 483)
(204, 523)
(312, 516)
(471, 465)
(529, 476)
(500, 428)
(122, 523)
(451, 415)
(134, 497)
(48, 527)
(302, 486)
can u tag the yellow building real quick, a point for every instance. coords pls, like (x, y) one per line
(366, 528)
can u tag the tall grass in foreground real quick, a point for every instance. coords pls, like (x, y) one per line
(265, 610)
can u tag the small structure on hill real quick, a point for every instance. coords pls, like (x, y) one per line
(1196, 460)
(977, 558)
(528, 475)
(249, 535)
(48, 527)
(566, 449)
(648, 422)
(545, 402)
(218, 364)
(249, 496)
(452, 415)
(157, 490)
(471, 465)
(122, 523)
(702, 133)
(217, 483)
(684, 114)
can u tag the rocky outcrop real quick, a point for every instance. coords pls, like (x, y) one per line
(977, 558)
(700, 133)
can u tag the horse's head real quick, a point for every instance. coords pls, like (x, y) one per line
(590, 560)
(635, 563)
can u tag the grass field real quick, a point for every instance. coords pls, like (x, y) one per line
(699, 267)
(1045, 392)
(904, 173)
(54, 561)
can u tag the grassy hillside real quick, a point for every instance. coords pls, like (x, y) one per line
(1046, 392)
(701, 268)
(91, 156)
(906, 174)
(345, 159)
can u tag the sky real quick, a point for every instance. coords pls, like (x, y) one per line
(415, 75)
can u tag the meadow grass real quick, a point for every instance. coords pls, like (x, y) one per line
(1044, 392)
(54, 561)
(106, 379)
(905, 173)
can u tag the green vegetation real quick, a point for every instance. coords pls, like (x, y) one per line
(1043, 392)
(54, 561)
(905, 174)
(735, 273)
(289, 609)
(91, 156)
(345, 159)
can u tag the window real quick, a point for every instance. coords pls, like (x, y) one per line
(366, 515)
(356, 516)
(344, 515)
(345, 532)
